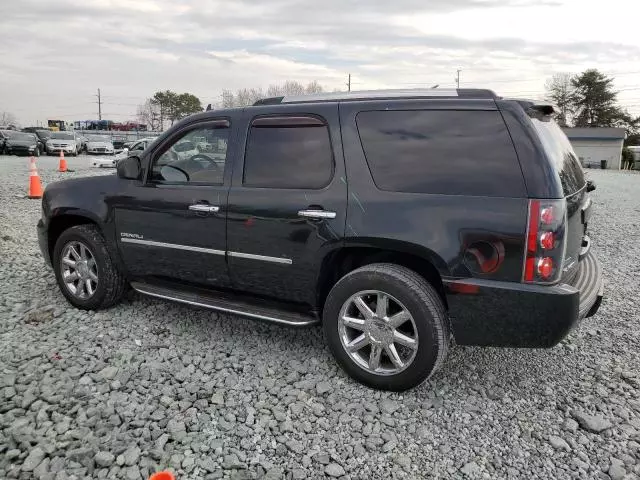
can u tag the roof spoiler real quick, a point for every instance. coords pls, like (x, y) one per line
(541, 110)
(546, 109)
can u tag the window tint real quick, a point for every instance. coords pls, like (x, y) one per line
(563, 158)
(199, 156)
(439, 151)
(288, 157)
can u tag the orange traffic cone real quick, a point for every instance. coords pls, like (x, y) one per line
(162, 476)
(63, 162)
(35, 187)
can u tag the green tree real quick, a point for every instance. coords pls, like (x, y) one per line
(175, 106)
(627, 159)
(595, 101)
(185, 104)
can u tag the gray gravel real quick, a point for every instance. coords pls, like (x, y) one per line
(150, 385)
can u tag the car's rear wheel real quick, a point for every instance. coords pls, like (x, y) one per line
(86, 274)
(386, 326)
(36, 152)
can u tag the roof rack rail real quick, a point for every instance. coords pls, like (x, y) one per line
(379, 95)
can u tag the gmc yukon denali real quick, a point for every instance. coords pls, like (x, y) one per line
(399, 220)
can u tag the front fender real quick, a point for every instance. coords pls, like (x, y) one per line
(77, 201)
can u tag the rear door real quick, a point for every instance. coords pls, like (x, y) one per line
(287, 202)
(566, 164)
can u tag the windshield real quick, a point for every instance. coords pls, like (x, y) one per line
(43, 133)
(62, 136)
(97, 138)
(560, 151)
(23, 136)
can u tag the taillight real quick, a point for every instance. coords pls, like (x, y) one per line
(545, 244)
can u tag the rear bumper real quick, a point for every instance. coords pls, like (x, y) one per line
(43, 242)
(505, 314)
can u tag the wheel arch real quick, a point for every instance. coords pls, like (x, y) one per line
(62, 222)
(351, 256)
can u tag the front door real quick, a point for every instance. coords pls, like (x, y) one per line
(287, 203)
(173, 225)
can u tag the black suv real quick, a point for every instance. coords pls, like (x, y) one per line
(397, 219)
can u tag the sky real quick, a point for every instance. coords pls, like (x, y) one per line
(56, 54)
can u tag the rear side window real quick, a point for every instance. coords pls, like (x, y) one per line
(441, 151)
(559, 149)
(296, 155)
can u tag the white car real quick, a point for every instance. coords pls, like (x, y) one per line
(97, 144)
(68, 142)
(103, 162)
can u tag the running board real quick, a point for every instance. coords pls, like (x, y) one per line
(226, 303)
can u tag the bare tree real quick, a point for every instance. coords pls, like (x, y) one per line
(561, 92)
(248, 96)
(149, 114)
(228, 99)
(314, 87)
(8, 118)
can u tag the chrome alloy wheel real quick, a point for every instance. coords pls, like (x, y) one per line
(378, 332)
(79, 270)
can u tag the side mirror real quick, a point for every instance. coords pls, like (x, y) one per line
(590, 186)
(129, 168)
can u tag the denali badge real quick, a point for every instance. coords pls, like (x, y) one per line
(131, 235)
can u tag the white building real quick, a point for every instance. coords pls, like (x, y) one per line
(592, 145)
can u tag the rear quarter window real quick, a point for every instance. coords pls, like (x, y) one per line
(563, 159)
(441, 152)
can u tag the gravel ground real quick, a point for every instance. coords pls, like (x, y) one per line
(149, 384)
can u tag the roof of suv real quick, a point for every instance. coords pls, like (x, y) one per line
(466, 93)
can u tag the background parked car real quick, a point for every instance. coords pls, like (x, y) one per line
(4, 135)
(118, 142)
(69, 142)
(137, 147)
(43, 136)
(99, 144)
(83, 143)
(21, 143)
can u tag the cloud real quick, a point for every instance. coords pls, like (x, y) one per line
(56, 54)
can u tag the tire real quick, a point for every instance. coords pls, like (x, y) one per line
(74, 153)
(428, 324)
(36, 152)
(110, 286)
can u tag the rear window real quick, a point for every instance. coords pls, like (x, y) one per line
(565, 161)
(441, 151)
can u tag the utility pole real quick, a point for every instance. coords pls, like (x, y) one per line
(349, 84)
(99, 106)
(458, 78)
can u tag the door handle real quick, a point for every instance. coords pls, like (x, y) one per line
(314, 213)
(203, 207)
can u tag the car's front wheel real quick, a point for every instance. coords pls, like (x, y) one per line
(86, 274)
(386, 326)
